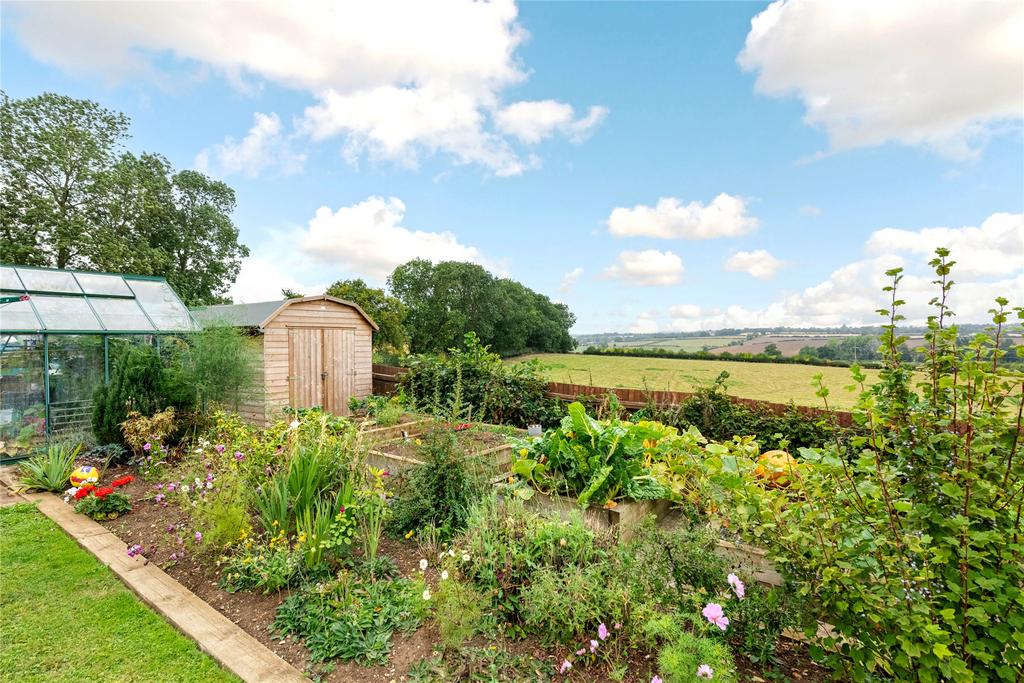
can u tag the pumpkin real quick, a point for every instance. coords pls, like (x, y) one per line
(776, 467)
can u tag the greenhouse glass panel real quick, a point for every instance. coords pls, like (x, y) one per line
(18, 315)
(109, 285)
(9, 279)
(57, 281)
(22, 406)
(121, 315)
(76, 369)
(66, 313)
(162, 305)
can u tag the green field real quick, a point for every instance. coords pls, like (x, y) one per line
(679, 343)
(776, 382)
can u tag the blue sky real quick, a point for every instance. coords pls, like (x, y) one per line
(845, 139)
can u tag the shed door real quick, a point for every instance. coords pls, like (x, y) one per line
(339, 369)
(305, 363)
(321, 368)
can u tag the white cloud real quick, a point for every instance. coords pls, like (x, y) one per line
(758, 263)
(725, 216)
(810, 210)
(570, 278)
(368, 239)
(852, 293)
(644, 324)
(646, 268)
(685, 311)
(533, 121)
(994, 248)
(262, 147)
(395, 80)
(939, 74)
(262, 279)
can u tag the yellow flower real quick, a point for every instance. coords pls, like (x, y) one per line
(524, 452)
(408, 535)
(302, 538)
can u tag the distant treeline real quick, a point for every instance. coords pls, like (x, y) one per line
(725, 355)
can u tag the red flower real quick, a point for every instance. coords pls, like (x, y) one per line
(463, 426)
(126, 479)
(104, 492)
(83, 491)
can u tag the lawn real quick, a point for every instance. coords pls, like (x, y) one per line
(66, 617)
(776, 382)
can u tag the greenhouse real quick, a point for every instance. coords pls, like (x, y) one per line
(57, 330)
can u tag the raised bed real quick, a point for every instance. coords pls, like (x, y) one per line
(621, 517)
(411, 424)
(489, 448)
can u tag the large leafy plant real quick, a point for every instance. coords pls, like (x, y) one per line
(909, 538)
(597, 461)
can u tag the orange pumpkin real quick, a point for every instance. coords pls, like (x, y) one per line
(776, 467)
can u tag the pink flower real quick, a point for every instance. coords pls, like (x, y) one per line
(705, 671)
(199, 537)
(134, 550)
(737, 586)
(146, 446)
(617, 626)
(172, 486)
(566, 665)
(239, 456)
(174, 556)
(159, 497)
(219, 448)
(713, 613)
(593, 646)
(580, 652)
(602, 632)
(656, 679)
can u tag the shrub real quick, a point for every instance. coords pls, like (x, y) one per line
(352, 619)
(909, 538)
(439, 493)
(494, 391)
(460, 611)
(264, 566)
(560, 605)
(51, 470)
(680, 660)
(104, 503)
(138, 430)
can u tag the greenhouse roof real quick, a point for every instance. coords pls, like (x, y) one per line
(36, 300)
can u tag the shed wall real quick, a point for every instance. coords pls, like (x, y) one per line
(312, 314)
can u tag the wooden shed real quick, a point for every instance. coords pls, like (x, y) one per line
(314, 351)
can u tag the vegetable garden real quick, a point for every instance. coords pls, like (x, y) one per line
(431, 537)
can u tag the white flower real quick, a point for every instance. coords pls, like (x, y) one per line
(184, 488)
(199, 482)
(465, 557)
(444, 575)
(209, 484)
(294, 424)
(423, 565)
(426, 594)
(451, 552)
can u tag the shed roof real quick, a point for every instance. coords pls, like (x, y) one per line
(261, 313)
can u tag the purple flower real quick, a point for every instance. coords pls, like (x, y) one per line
(602, 631)
(656, 679)
(146, 446)
(174, 556)
(219, 448)
(199, 537)
(593, 646)
(159, 497)
(239, 456)
(566, 665)
(737, 586)
(170, 528)
(209, 476)
(134, 550)
(158, 487)
(172, 486)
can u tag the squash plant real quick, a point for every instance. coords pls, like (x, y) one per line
(597, 461)
(909, 538)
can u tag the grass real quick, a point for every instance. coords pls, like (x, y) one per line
(66, 617)
(773, 382)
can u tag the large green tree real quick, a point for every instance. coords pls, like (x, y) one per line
(72, 198)
(448, 299)
(387, 311)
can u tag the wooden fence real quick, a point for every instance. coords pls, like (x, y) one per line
(385, 381)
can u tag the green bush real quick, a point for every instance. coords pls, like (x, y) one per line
(109, 506)
(495, 392)
(460, 611)
(439, 493)
(137, 383)
(680, 660)
(560, 605)
(266, 567)
(908, 540)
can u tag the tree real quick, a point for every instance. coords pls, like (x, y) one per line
(54, 152)
(387, 311)
(72, 199)
(289, 293)
(449, 299)
(772, 350)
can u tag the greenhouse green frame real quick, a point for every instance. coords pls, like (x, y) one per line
(38, 302)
